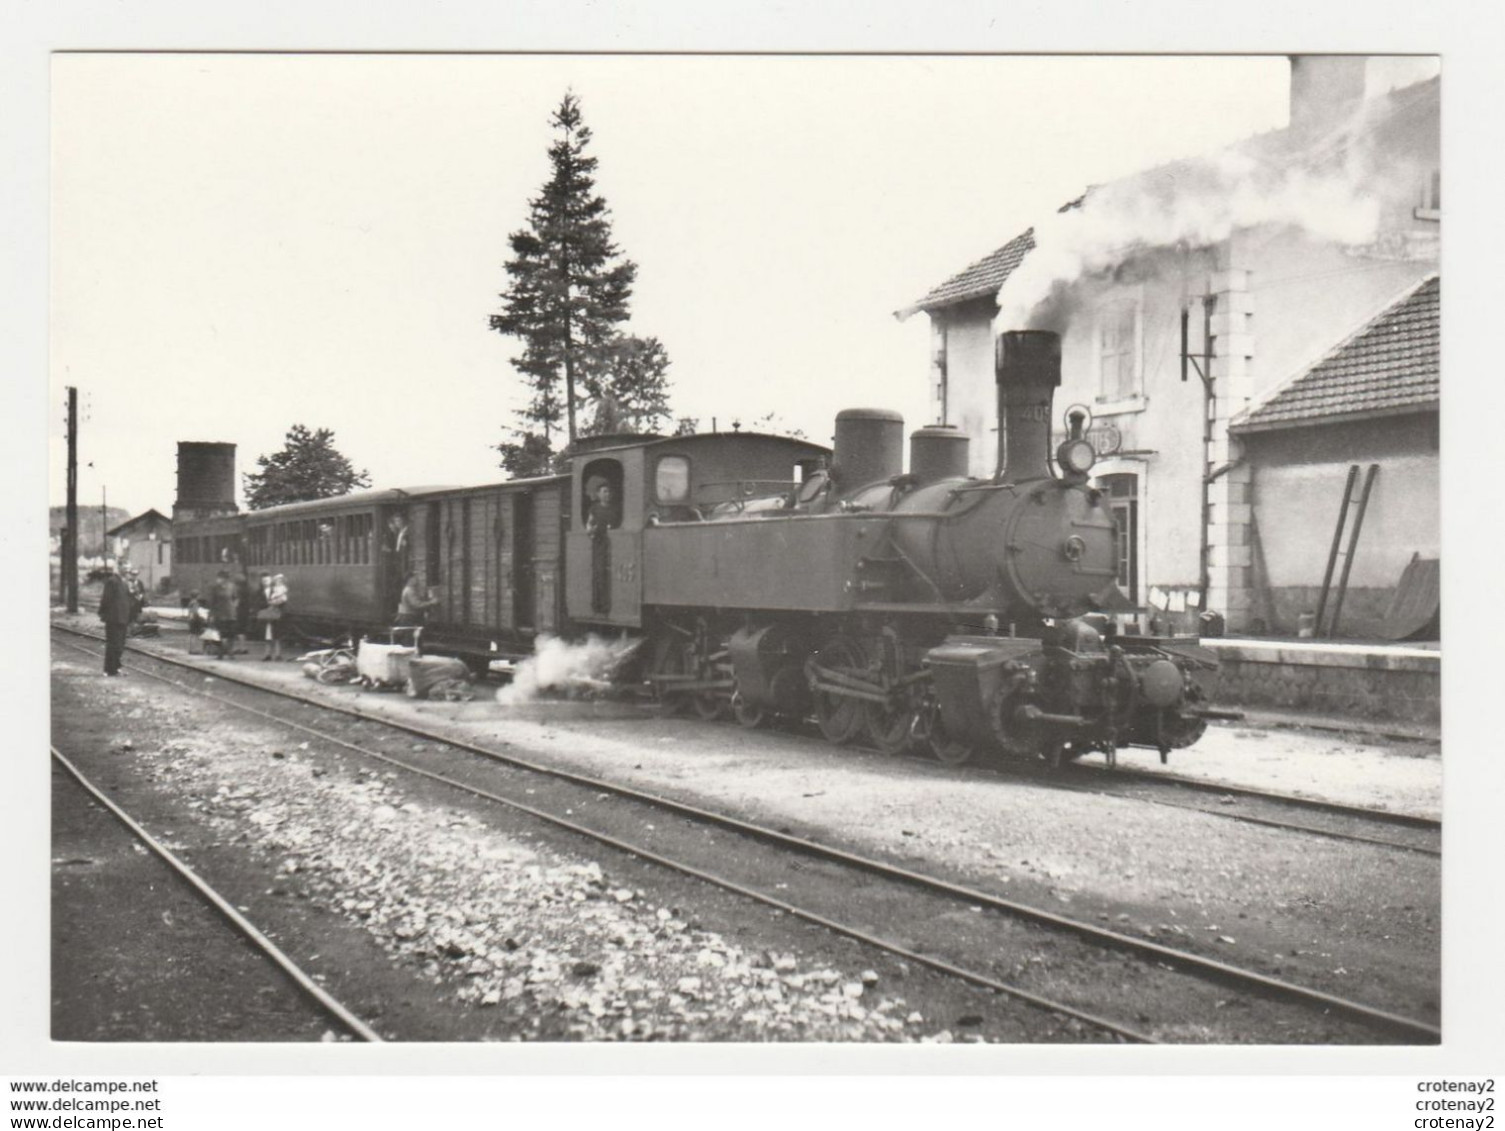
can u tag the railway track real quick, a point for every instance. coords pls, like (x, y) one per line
(324, 1002)
(1407, 832)
(1404, 832)
(1011, 927)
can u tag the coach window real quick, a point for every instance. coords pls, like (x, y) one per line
(602, 473)
(671, 480)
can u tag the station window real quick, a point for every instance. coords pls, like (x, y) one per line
(1429, 196)
(671, 480)
(1118, 350)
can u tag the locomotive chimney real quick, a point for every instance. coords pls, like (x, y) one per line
(1028, 367)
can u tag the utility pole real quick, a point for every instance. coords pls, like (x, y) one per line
(69, 564)
(104, 524)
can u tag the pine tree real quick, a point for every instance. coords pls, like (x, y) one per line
(308, 467)
(569, 287)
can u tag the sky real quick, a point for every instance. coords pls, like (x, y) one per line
(241, 242)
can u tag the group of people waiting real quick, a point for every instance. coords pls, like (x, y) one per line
(236, 611)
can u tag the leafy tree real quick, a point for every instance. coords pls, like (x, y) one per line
(775, 425)
(629, 378)
(308, 467)
(526, 454)
(569, 285)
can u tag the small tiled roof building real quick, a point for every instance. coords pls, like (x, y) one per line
(144, 543)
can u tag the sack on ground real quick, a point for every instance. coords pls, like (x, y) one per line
(424, 672)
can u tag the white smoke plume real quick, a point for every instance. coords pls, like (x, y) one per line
(1191, 204)
(574, 670)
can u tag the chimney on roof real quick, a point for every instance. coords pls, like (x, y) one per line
(1325, 88)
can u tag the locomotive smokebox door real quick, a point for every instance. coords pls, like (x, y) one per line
(968, 676)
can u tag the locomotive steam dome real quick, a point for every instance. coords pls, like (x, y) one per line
(938, 451)
(869, 447)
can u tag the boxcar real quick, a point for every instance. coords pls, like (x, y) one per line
(492, 555)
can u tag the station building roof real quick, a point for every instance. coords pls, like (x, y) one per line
(1390, 366)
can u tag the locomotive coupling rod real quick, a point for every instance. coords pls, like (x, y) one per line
(850, 692)
(691, 683)
(841, 679)
(1032, 714)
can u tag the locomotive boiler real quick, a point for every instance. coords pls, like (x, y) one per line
(923, 606)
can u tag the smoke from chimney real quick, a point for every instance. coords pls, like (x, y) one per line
(1194, 204)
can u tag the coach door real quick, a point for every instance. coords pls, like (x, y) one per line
(524, 570)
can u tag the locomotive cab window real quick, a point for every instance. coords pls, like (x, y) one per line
(671, 480)
(601, 495)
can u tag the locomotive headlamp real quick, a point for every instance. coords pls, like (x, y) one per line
(1077, 456)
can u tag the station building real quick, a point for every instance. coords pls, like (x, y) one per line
(1251, 325)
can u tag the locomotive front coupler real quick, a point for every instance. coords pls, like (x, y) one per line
(1029, 713)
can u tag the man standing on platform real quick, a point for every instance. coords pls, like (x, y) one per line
(115, 611)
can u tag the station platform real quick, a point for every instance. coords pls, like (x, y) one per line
(1370, 687)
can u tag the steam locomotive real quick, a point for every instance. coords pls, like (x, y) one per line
(771, 578)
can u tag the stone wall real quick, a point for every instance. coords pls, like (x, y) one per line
(1373, 684)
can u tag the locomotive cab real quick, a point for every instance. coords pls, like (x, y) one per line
(659, 486)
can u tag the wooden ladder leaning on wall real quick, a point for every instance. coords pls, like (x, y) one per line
(1358, 508)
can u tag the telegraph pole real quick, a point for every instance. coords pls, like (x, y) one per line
(70, 532)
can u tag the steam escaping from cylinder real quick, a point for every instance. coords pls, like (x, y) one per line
(577, 670)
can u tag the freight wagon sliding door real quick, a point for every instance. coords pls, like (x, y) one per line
(456, 608)
(524, 569)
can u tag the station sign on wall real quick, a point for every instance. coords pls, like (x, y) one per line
(1105, 439)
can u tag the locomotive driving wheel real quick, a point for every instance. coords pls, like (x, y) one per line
(710, 706)
(748, 714)
(928, 731)
(951, 751)
(840, 716)
(889, 726)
